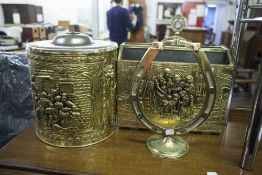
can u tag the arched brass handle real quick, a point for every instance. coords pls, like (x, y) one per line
(210, 85)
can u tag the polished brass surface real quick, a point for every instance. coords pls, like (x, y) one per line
(178, 24)
(171, 97)
(167, 147)
(74, 97)
(222, 72)
(163, 111)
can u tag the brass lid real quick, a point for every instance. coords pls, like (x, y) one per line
(72, 42)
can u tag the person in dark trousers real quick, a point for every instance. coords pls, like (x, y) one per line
(119, 22)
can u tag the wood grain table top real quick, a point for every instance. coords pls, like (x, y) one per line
(125, 153)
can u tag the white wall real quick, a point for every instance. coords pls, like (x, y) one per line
(152, 13)
(76, 11)
(219, 23)
(1, 16)
(73, 10)
(104, 6)
(84, 12)
(152, 6)
(224, 13)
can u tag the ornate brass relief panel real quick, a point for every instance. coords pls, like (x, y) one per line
(169, 94)
(185, 86)
(74, 97)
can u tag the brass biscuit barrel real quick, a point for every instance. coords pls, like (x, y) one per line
(73, 84)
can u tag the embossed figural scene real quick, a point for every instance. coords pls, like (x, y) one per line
(74, 90)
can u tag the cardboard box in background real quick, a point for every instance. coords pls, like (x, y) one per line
(64, 23)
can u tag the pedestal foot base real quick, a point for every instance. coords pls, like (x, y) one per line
(167, 146)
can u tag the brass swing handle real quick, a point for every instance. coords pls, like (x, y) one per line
(210, 84)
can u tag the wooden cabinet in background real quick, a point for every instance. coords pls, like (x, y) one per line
(195, 34)
(140, 35)
(30, 34)
(161, 31)
(247, 50)
(33, 33)
(226, 39)
(28, 13)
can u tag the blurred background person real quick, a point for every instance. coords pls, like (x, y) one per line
(119, 22)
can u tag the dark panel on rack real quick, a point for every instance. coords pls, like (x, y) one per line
(28, 13)
(8, 10)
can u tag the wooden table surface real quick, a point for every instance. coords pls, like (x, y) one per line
(125, 153)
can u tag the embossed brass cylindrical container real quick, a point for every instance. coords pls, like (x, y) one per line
(73, 83)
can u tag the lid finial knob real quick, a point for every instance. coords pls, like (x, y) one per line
(178, 24)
